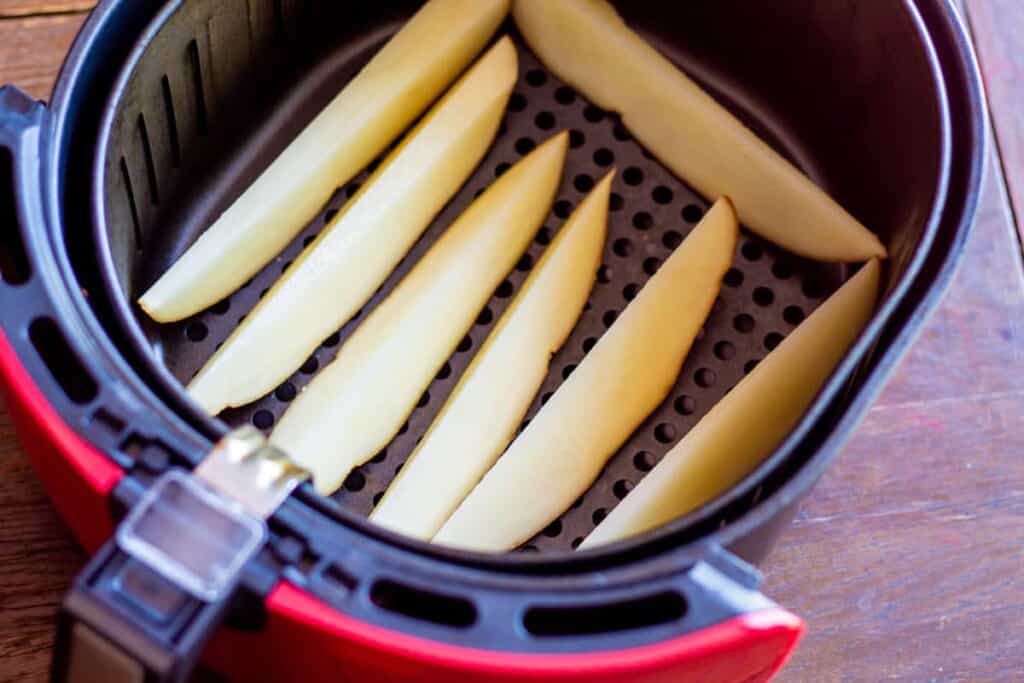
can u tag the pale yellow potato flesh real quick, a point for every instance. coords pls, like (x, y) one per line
(623, 378)
(588, 45)
(751, 421)
(398, 84)
(486, 407)
(357, 404)
(346, 264)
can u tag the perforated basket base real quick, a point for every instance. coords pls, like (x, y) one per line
(766, 294)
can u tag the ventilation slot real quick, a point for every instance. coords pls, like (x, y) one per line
(197, 84)
(147, 151)
(423, 605)
(172, 121)
(149, 453)
(109, 421)
(126, 177)
(279, 17)
(14, 268)
(661, 608)
(62, 363)
(340, 579)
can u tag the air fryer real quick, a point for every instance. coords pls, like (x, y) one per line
(165, 111)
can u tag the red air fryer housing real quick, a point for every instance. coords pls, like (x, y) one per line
(330, 598)
(305, 639)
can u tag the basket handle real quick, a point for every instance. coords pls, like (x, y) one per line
(149, 601)
(122, 622)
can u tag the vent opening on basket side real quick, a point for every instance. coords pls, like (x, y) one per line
(172, 120)
(111, 422)
(198, 87)
(416, 603)
(652, 610)
(14, 266)
(126, 178)
(147, 152)
(72, 377)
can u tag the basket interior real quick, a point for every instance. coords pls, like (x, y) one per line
(223, 86)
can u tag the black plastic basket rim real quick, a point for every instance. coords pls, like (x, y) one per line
(960, 61)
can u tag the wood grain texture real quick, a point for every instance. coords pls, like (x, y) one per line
(25, 8)
(37, 561)
(32, 49)
(998, 26)
(906, 559)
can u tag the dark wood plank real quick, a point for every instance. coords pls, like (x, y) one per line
(998, 27)
(906, 558)
(31, 50)
(973, 343)
(37, 561)
(25, 8)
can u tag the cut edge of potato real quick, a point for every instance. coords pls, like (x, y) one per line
(481, 415)
(365, 241)
(620, 382)
(356, 126)
(716, 455)
(357, 404)
(588, 45)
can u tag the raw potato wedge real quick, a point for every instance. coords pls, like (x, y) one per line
(481, 416)
(357, 404)
(398, 84)
(623, 378)
(589, 46)
(342, 269)
(751, 421)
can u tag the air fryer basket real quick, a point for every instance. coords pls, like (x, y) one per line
(198, 118)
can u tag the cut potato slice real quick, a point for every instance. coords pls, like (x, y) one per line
(342, 269)
(589, 46)
(492, 397)
(623, 378)
(751, 421)
(408, 73)
(357, 404)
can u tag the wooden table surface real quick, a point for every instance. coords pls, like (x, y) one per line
(907, 560)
